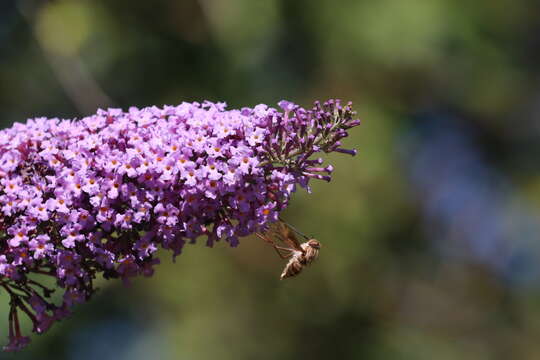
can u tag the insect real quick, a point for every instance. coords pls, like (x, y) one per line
(299, 255)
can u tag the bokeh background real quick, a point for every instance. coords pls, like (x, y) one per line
(430, 234)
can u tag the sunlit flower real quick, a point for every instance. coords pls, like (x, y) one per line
(100, 195)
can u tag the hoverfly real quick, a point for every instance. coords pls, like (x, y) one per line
(299, 255)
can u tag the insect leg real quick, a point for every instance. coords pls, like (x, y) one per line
(265, 238)
(286, 256)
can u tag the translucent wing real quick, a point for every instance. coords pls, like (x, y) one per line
(280, 232)
(286, 235)
(295, 230)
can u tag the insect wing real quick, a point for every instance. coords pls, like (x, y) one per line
(272, 236)
(287, 235)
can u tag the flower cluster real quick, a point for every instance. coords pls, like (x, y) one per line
(100, 195)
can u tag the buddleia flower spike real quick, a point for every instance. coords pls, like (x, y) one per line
(97, 197)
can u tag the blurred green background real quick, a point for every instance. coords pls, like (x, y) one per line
(430, 234)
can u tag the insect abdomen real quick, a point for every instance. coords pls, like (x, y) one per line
(293, 268)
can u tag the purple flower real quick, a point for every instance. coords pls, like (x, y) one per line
(99, 196)
(41, 246)
(43, 322)
(17, 343)
(72, 297)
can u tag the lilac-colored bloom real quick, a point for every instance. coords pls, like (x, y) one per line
(17, 343)
(99, 196)
(41, 246)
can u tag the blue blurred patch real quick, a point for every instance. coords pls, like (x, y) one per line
(471, 211)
